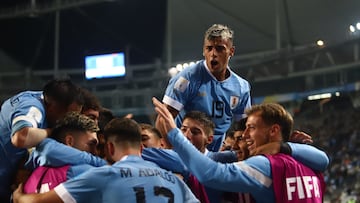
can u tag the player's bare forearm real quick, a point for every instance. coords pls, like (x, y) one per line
(47, 197)
(29, 137)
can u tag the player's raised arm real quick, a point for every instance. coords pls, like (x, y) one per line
(164, 114)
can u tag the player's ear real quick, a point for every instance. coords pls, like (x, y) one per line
(141, 148)
(162, 143)
(69, 140)
(210, 139)
(275, 132)
(110, 148)
(232, 51)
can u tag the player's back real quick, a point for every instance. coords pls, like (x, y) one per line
(136, 180)
(130, 180)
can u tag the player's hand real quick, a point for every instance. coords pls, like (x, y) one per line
(165, 120)
(300, 137)
(18, 193)
(129, 115)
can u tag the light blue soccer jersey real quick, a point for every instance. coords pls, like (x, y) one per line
(22, 110)
(130, 180)
(53, 153)
(195, 88)
(250, 176)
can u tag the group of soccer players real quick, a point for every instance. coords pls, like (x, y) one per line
(75, 140)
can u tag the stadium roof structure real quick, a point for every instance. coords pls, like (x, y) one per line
(170, 30)
(274, 39)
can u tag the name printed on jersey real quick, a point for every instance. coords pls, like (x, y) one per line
(146, 172)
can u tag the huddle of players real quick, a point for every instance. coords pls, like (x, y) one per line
(264, 177)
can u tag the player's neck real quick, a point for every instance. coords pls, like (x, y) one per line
(120, 153)
(222, 75)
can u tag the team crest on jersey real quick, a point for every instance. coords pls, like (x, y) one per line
(181, 84)
(201, 94)
(234, 100)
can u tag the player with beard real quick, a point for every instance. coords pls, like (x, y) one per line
(210, 86)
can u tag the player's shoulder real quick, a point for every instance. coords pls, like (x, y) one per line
(259, 162)
(29, 94)
(134, 162)
(235, 76)
(195, 70)
(235, 79)
(28, 98)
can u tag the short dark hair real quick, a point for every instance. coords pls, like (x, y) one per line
(73, 122)
(63, 91)
(90, 100)
(105, 116)
(204, 119)
(240, 125)
(146, 126)
(124, 130)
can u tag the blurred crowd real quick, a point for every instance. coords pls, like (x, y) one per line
(335, 128)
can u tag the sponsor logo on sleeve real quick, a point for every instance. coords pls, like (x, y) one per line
(181, 84)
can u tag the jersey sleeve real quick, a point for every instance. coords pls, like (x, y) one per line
(178, 91)
(50, 152)
(166, 159)
(76, 170)
(84, 187)
(223, 157)
(28, 112)
(310, 156)
(252, 176)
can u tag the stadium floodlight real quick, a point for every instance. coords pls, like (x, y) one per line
(179, 67)
(185, 65)
(352, 28)
(320, 43)
(358, 26)
(319, 96)
(172, 71)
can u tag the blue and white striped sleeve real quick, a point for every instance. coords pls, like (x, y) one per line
(50, 152)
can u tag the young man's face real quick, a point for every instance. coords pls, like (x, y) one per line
(217, 53)
(227, 144)
(149, 139)
(86, 142)
(240, 146)
(92, 114)
(195, 132)
(257, 133)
